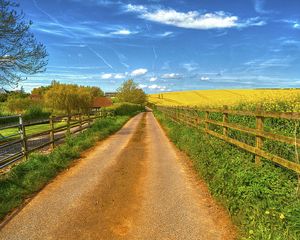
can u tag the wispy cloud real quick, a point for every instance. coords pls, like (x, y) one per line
(165, 34)
(72, 34)
(193, 19)
(259, 6)
(293, 23)
(171, 76)
(190, 66)
(123, 32)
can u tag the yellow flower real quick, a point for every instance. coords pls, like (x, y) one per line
(281, 216)
(267, 212)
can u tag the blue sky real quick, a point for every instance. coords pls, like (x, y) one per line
(168, 45)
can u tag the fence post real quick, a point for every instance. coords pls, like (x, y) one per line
(80, 122)
(259, 128)
(23, 137)
(52, 131)
(206, 122)
(89, 119)
(68, 124)
(225, 120)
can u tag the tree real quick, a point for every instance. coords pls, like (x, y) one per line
(96, 92)
(70, 98)
(130, 92)
(18, 104)
(20, 53)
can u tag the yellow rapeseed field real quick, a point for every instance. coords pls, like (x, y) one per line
(219, 98)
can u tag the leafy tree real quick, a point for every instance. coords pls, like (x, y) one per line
(18, 104)
(40, 90)
(20, 53)
(70, 98)
(131, 93)
(96, 92)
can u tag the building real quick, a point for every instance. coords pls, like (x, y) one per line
(35, 97)
(100, 102)
(110, 94)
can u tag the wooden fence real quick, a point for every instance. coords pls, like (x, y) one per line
(190, 116)
(21, 143)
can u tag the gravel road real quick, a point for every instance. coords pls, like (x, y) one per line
(133, 185)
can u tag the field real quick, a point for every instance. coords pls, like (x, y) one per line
(219, 98)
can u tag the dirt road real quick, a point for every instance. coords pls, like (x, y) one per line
(134, 185)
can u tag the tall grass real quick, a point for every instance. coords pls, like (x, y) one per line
(262, 200)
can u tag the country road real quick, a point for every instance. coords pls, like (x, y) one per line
(133, 185)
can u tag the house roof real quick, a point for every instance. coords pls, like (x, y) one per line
(101, 102)
(35, 97)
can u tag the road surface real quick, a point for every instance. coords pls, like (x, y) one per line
(134, 185)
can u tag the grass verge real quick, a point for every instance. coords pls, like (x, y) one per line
(262, 200)
(28, 177)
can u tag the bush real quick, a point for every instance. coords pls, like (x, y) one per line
(126, 108)
(261, 200)
(35, 112)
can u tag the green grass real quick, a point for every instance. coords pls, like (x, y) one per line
(262, 201)
(30, 129)
(28, 177)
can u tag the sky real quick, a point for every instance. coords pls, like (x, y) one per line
(168, 45)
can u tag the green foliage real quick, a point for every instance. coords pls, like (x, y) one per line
(126, 108)
(30, 176)
(35, 112)
(261, 200)
(131, 93)
(70, 98)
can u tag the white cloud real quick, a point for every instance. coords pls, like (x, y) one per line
(153, 79)
(106, 76)
(123, 32)
(193, 19)
(143, 86)
(139, 72)
(205, 78)
(135, 8)
(157, 87)
(119, 76)
(170, 75)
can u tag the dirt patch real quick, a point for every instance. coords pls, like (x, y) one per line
(109, 211)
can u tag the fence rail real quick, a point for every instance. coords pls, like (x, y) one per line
(22, 142)
(191, 117)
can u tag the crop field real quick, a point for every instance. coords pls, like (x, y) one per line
(219, 98)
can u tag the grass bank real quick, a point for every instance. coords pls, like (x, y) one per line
(28, 177)
(262, 200)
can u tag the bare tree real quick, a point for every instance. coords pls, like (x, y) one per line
(20, 53)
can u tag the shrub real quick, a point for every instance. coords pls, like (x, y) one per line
(126, 108)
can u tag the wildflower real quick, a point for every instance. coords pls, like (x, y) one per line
(267, 212)
(251, 232)
(281, 216)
